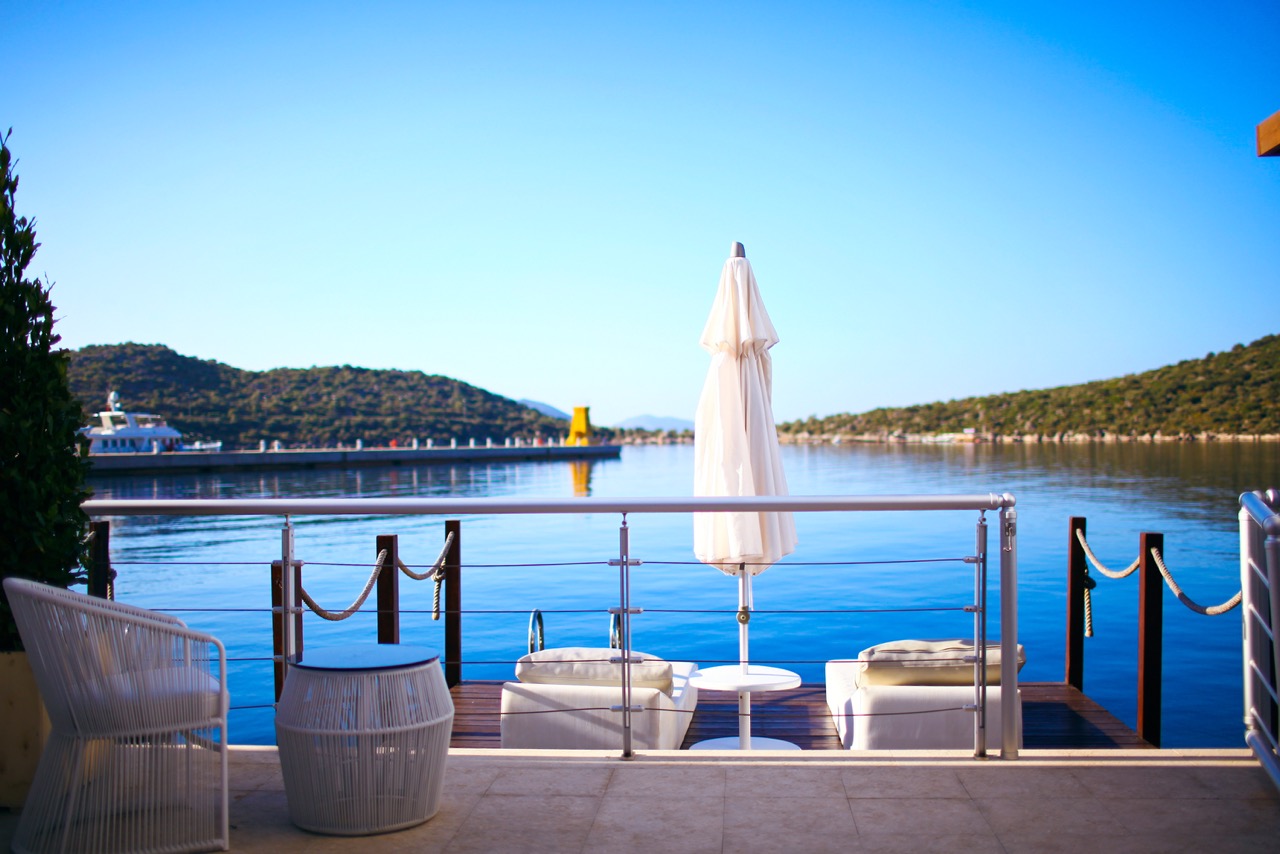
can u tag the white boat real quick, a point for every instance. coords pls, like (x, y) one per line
(121, 432)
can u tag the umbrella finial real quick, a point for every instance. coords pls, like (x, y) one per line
(738, 251)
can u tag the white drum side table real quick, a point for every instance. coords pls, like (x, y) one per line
(364, 733)
(756, 678)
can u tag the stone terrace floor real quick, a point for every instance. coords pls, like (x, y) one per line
(814, 801)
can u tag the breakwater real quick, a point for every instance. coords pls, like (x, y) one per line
(189, 462)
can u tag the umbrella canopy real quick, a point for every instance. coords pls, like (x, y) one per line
(735, 440)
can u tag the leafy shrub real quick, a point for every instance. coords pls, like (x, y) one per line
(42, 462)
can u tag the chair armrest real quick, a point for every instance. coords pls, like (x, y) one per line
(842, 681)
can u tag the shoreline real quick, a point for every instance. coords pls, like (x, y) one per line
(1000, 438)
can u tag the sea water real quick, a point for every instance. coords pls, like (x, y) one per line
(856, 579)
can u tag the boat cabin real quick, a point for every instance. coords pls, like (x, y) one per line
(121, 432)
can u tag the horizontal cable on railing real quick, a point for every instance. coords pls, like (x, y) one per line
(213, 610)
(602, 610)
(786, 563)
(314, 563)
(711, 661)
(755, 611)
(895, 714)
(188, 562)
(534, 565)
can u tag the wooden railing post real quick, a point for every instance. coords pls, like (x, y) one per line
(100, 561)
(453, 605)
(278, 610)
(389, 590)
(1150, 638)
(1077, 570)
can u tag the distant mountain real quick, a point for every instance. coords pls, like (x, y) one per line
(1232, 393)
(655, 422)
(312, 407)
(545, 408)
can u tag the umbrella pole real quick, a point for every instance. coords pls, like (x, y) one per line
(744, 617)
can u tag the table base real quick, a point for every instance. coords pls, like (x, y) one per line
(733, 742)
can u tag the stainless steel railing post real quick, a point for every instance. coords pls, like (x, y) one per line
(1010, 720)
(290, 604)
(980, 639)
(624, 603)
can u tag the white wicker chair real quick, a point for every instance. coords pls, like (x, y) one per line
(136, 760)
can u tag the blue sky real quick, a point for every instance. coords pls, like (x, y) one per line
(939, 199)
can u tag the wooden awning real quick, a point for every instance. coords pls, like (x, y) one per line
(1269, 137)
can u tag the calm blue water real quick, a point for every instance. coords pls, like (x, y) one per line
(1188, 492)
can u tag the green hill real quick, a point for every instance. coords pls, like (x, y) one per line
(313, 407)
(1234, 393)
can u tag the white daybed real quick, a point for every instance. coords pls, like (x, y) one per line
(563, 700)
(909, 695)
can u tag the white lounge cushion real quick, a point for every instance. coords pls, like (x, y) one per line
(580, 665)
(928, 662)
(169, 694)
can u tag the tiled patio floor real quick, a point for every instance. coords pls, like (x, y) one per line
(815, 801)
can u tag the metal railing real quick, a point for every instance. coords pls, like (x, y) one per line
(1260, 584)
(289, 610)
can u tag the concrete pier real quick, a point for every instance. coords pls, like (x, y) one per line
(186, 462)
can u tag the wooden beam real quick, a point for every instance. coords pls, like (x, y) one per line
(1269, 137)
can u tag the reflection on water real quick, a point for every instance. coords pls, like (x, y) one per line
(1186, 491)
(581, 472)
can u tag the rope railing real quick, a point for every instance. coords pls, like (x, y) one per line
(436, 572)
(1098, 565)
(1208, 611)
(336, 616)
(1165, 573)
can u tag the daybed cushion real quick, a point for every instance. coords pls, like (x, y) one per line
(579, 665)
(928, 662)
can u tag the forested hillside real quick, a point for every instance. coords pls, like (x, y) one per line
(313, 407)
(1230, 393)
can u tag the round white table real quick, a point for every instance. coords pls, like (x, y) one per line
(755, 678)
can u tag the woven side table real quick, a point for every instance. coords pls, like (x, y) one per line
(364, 732)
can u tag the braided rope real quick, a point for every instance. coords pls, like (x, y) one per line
(436, 573)
(1088, 612)
(1211, 611)
(1097, 564)
(335, 616)
(436, 567)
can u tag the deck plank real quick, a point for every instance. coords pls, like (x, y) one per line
(1054, 716)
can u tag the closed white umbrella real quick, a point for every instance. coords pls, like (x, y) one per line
(736, 451)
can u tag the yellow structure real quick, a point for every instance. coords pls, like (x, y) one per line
(579, 428)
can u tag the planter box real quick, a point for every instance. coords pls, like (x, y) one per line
(26, 726)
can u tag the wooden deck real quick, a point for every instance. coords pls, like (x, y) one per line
(1054, 716)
